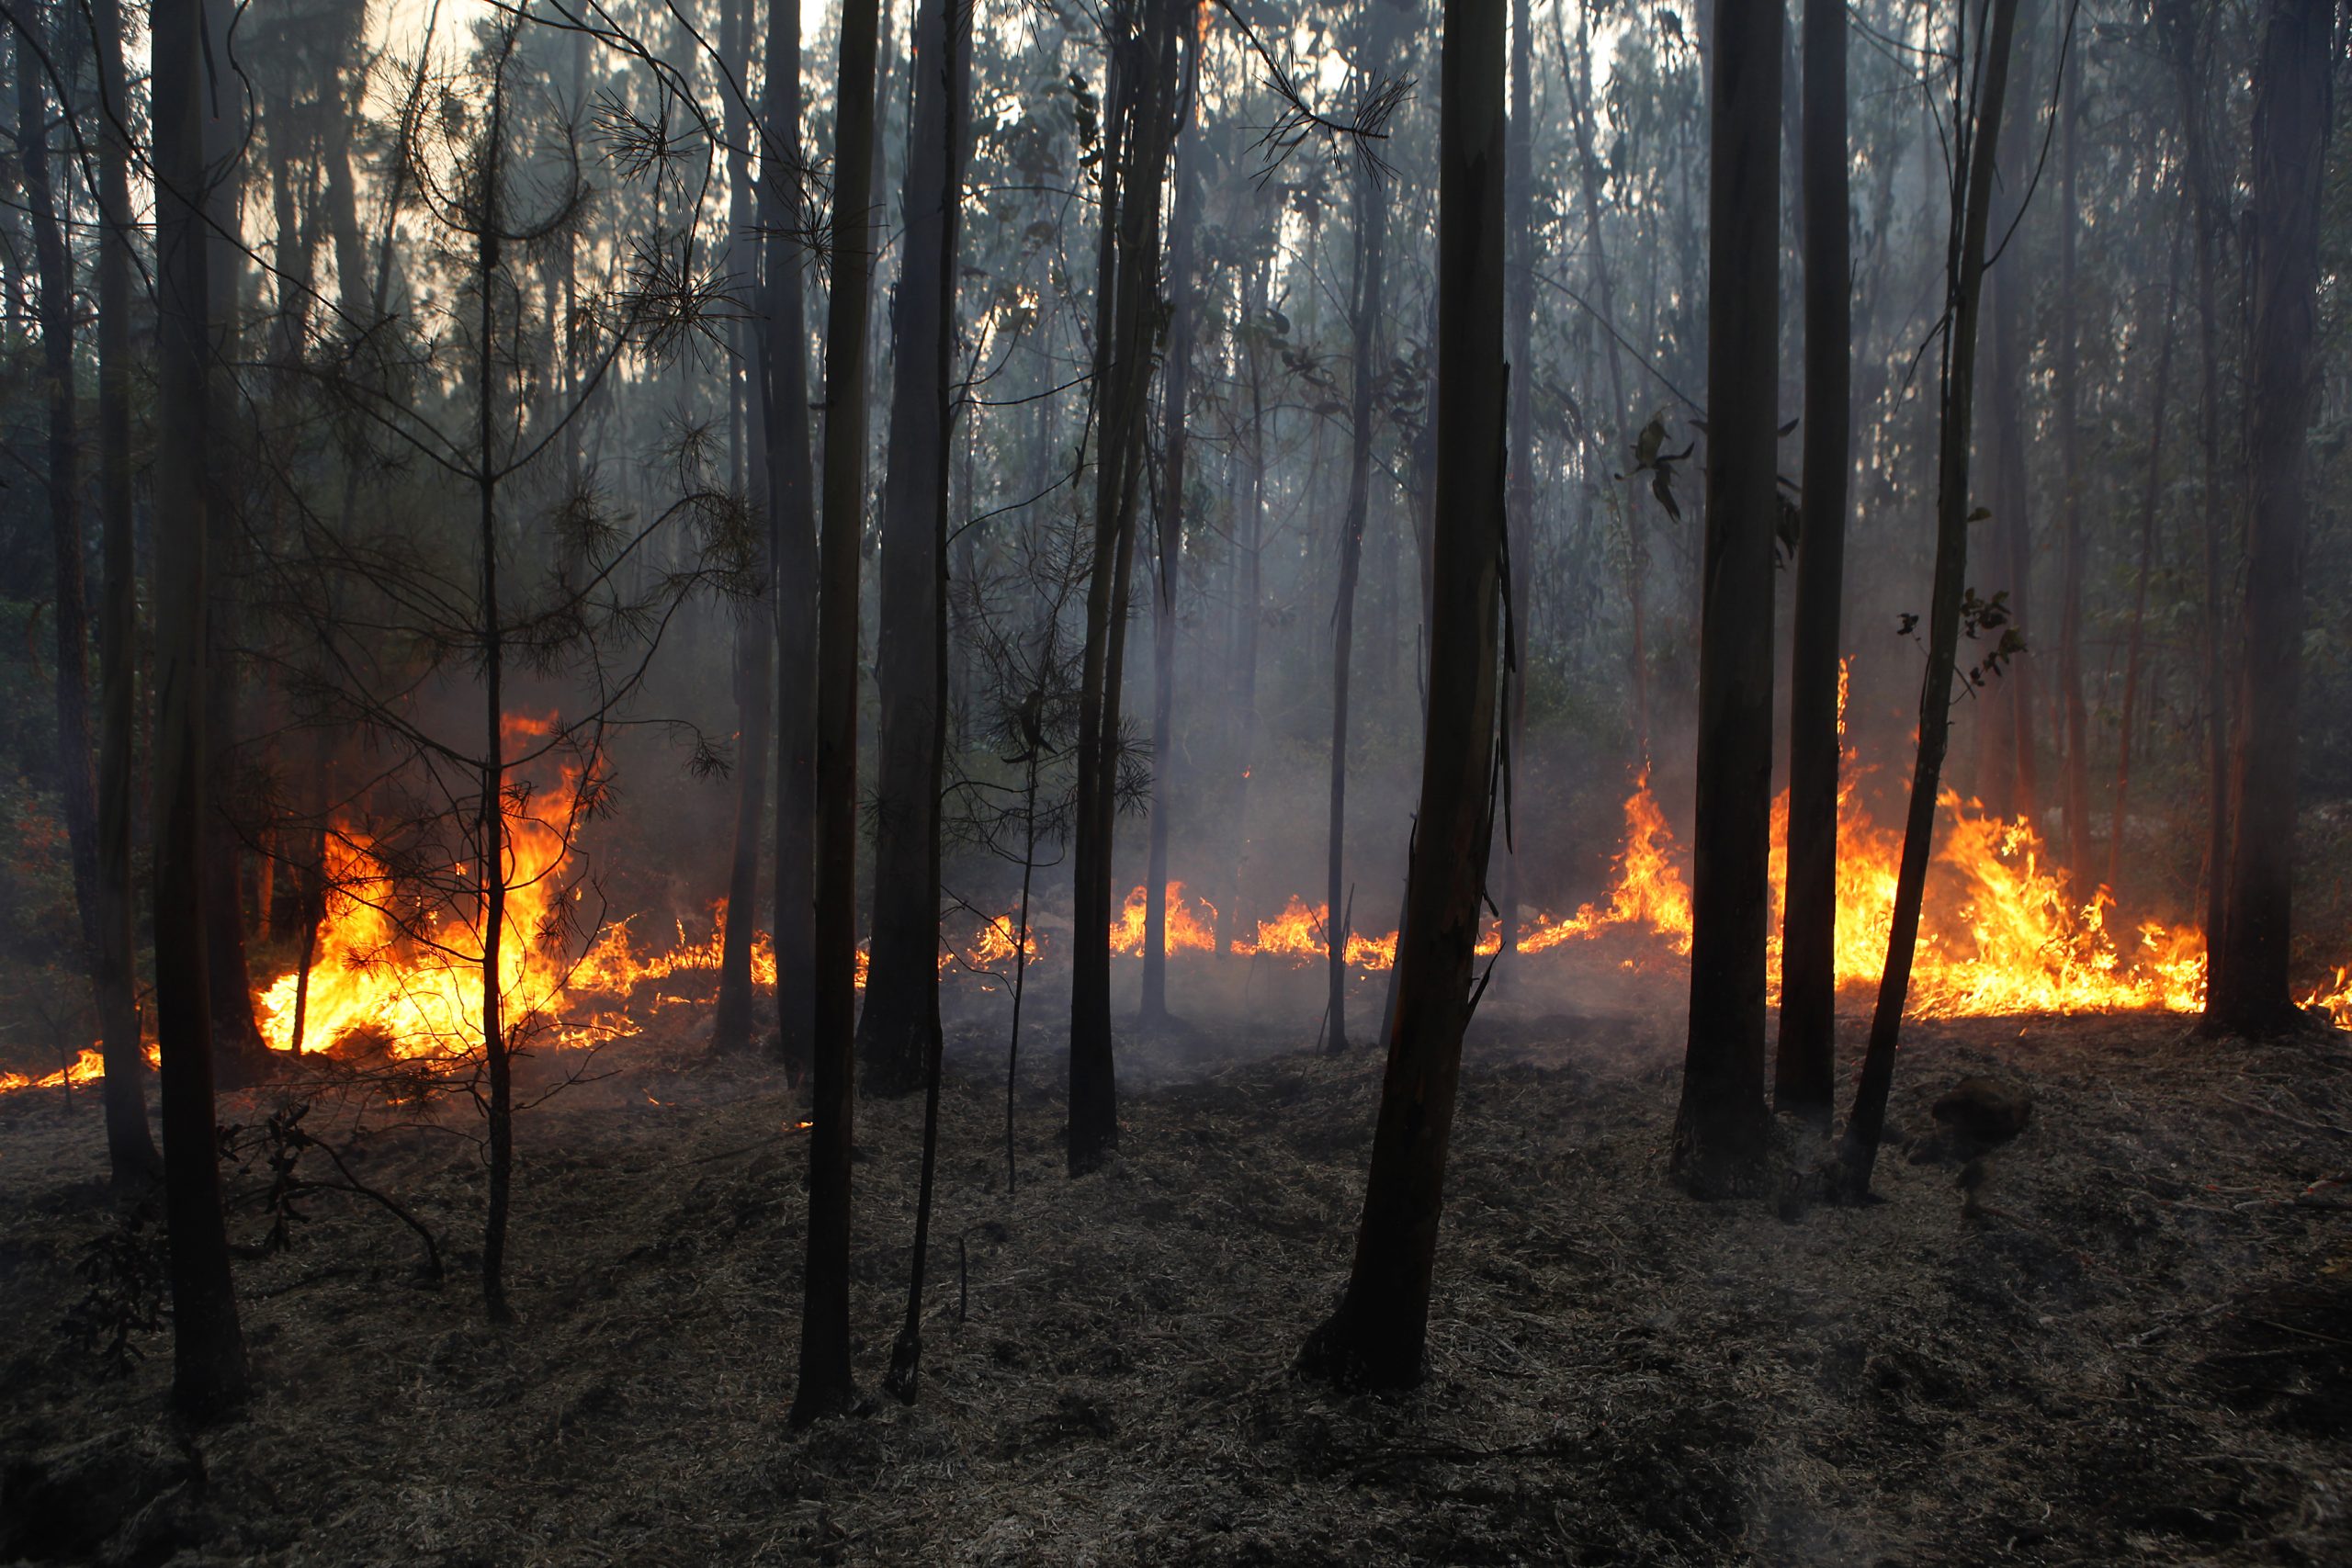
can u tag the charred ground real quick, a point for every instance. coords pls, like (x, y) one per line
(2119, 1337)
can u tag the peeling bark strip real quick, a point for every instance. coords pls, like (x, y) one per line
(1376, 1335)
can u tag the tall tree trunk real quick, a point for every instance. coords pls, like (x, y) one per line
(1142, 127)
(1857, 1153)
(236, 1037)
(914, 524)
(2077, 782)
(732, 1022)
(209, 1376)
(53, 268)
(1519, 490)
(1372, 235)
(1175, 386)
(2011, 783)
(1804, 1069)
(1377, 1335)
(2149, 507)
(899, 1032)
(130, 1147)
(2246, 986)
(1719, 1132)
(793, 553)
(824, 1385)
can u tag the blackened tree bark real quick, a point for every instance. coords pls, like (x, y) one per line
(209, 1376)
(1376, 1335)
(898, 1034)
(1857, 1152)
(130, 1147)
(236, 1037)
(784, 357)
(939, 117)
(1175, 386)
(2150, 499)
(1804, 1069)
(1371, 353)
(2246, 986)
(732, 1024)
(824, 1386)
(1519, 489)
(1719, 1131)
(1137, 135)
(899, 1028)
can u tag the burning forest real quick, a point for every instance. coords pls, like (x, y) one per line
(1176, 783)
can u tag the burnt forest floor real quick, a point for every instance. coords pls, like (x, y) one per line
(2119, 1338)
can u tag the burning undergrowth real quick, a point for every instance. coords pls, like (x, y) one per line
(2107, 1340)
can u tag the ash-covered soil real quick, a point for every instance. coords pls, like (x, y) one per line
(2120, 1337)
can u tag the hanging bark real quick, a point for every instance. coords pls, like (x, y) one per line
(1141, 128)
(2247, 987)
(209, 1376)
(1175, 386)
(1719, 1132)
(1804, 1069)
(899, 1030)
(130, 1147)
(784, 351)
(824, 1385)
(1376, 1335)
(1857, 1152)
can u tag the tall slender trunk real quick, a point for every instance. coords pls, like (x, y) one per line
(2012, 786)
(1175, 386)
(208, 1375)
(130, 1147)
(824, 1384)
(1804, 1069)
(793, 553)
(1142, 127)
(1518, 491)
(732, 1023)
(899, 1032)
(2077, 781)
(2294, 80)
(1371, 354)
(1719, 1132)
(1857, 1153)
(236, 1037)
(1377, 1335)
(2149, 506)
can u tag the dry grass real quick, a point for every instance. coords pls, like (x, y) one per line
(2127, 1350)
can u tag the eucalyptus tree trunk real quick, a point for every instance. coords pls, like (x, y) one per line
(1857, 1152)
(733, 1025)
(208, 1375)
(1805, 1068)
(1174, 444)
(824, 1385)
(1377, 1335)
(1141, 128)
(914, 573)
(1518, 491)
(2077, 781)
(236, 1037)
(1719, 1131)
(899, 1033)
(2149, 506)
(130, 1147)
(784, 359)
(2293, 100)
(1372, 235)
